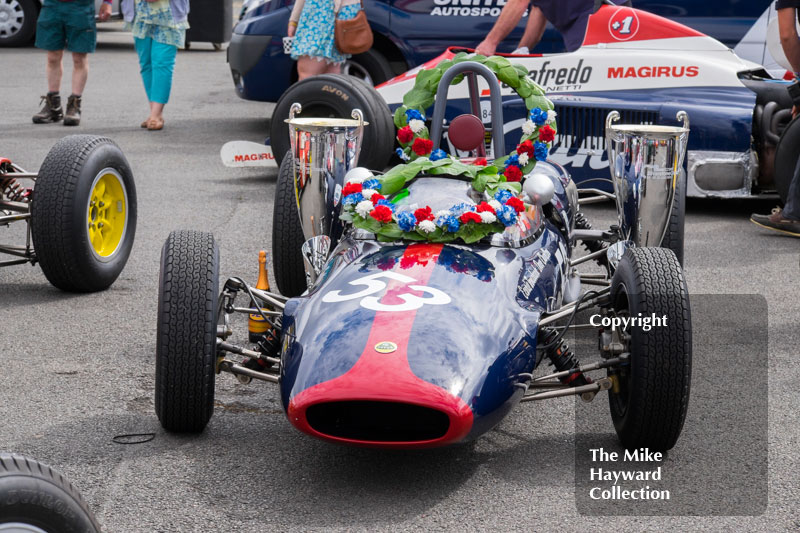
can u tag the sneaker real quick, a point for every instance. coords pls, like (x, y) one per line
(73, 116)
(777, 222)
(51, 110)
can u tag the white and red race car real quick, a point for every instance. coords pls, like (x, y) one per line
(646, 67)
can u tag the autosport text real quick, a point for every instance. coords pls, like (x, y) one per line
(468, 8)
(623, 322)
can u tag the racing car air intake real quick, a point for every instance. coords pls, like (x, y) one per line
(371, 421)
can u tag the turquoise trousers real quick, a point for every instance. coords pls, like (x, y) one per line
(156, 63)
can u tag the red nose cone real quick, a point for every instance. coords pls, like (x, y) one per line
(380, 402)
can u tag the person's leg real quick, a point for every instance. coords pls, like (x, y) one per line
(333, 68)
(143, 50)
(163, 58)
(80, 72)
(54, 70)
(308, 66)
(792, 208)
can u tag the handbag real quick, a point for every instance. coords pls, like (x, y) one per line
(353, 36)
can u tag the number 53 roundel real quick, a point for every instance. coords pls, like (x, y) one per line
(373, 285)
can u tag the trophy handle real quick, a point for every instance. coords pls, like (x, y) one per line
(358, 115)
(295, 109)
(683, 116)
(611, 118)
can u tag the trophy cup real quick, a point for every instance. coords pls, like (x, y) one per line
(323, 150)
(646, 162)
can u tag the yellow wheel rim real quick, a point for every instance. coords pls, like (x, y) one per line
(106, 213)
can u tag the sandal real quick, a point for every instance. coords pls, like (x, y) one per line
(144, 124)
(155, 124)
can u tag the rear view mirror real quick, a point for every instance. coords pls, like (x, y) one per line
(315, 252)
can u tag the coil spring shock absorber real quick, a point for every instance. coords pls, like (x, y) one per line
(581, 222)
(13, 190)
(562, 358)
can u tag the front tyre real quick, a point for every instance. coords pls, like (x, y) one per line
(83, 213)
(649, 403)
(187, 331)
(35, 498)
(287, 234)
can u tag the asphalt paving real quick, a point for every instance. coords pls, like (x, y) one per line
(78, 370)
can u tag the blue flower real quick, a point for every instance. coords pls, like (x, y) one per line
(412, 114)
(538, 116)
(461, 208)
(437, 155)
(371, 184)
(387, 203)
(502, 195)
(513, 159)
(451, 224)
(401, 154)
(540, 150)
(507, 215)
(353, 199)
(406, 221)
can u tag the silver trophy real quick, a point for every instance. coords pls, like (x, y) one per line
(323, 150)
(646, 162)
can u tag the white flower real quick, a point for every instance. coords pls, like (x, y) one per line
(494, 203)
(443, 213)
(364, 207)
(529, 127)
(551, 116)
(416, 125)
(427, 226)
(487, 217)
(367, 193)
(523, 160)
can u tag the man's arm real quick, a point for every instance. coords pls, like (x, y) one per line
(790, 41)
(509, 18)
(533, 29)
(105, 11)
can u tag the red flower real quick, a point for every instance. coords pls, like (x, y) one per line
(404, 135)
(470, 216)
(546, 134)
(377, 196)
(485, 207)
(513, 173)
(480, 161)
(527, 147)
(424, 213)
(381, 213)
(351, 188)
(516, 203)
(422, 146)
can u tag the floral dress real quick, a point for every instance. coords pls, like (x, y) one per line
(154, 20)
(315, 36)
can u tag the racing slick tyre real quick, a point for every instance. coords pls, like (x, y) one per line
(335, 96)
(187, 331)
(36, 498)
(673, 237)
(17, 21)
(649, 401)
(786, 155)
(370, 66)
(287, 235)
(83, 213)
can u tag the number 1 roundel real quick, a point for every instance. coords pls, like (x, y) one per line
(623, 24)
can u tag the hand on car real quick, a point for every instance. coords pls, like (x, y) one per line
(105, 12)
(485, 48)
